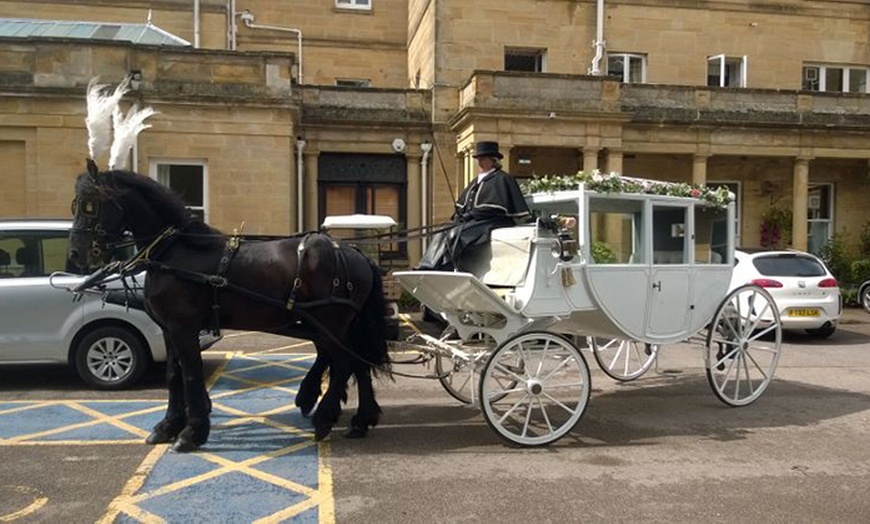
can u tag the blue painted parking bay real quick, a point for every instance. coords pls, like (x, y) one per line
(261, 463)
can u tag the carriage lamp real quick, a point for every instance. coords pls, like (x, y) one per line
(135, 79)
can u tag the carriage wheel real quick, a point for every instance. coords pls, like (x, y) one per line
(621, 359)
(549, 394)
(458, 376)
(743, 345)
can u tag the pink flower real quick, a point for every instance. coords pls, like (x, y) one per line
(695, 192)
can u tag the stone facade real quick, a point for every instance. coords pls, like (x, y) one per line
(435, 74)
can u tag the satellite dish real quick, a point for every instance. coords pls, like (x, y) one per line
(399, 145)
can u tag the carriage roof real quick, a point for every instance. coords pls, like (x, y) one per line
(359, 221)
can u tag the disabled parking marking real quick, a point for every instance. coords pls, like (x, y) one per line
(261, 451)
(14, 493)
(261, 463)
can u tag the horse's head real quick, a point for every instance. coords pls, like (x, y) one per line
(98, 219)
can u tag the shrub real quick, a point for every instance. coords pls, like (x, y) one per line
(836, 256)
(602, 254)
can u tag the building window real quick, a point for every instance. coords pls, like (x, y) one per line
(366, 184)
(353, 82)
(186, 178)
(820, 223)
(530, 60)
(354, 4)
(836, 79)
(726, 71)
(628, 67)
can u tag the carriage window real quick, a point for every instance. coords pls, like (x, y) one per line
(669, 235)
(615, 231)
(188, 180)
(711, 235)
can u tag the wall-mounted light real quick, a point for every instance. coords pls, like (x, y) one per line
(135, 79)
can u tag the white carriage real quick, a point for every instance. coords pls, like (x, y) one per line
(628, 272)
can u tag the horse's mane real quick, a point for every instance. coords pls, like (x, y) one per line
(168, 204)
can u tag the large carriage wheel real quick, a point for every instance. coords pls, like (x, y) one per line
(743, 345)
(621, 359)
(550, 388)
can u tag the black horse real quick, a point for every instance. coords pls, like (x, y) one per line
(198, 278)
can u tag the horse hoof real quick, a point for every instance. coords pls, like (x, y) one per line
(355, 432)
(183, 446)
(321, 433)
(158, 438)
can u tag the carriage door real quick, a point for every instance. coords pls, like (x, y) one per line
(669, 288)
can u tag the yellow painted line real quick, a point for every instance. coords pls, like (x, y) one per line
(326, 512)
(133, 485)
(136, 441)
(281, 348)
(33, 507)
(101, 418)
(37, 404)
(290, 512)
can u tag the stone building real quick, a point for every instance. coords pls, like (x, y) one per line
(277, 114)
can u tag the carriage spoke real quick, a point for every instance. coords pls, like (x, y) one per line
(559, 403)
(558, 368)
(508, 373)
(544, 413)
(513, 408)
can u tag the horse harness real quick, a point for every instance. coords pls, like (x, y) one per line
(148, 258)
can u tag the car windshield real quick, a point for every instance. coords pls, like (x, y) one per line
(788, 266)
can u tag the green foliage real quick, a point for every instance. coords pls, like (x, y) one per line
(602, 254)
(860, 269)
(836, 256)
(407, 302)
(615, 183)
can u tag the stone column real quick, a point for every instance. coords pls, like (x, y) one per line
(614, 161)
(699, 169)
(590, 159)
(799, 203)
(309, 189)
(415, 210)
(505, 149)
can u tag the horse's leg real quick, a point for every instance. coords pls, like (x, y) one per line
(329, 409)
(196, 398)
(369, 412)
(175, 419)
(310, 388)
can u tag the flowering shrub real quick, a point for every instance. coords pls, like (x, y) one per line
(776, 227)
(616, 183)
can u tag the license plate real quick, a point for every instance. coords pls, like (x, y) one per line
(805, 312)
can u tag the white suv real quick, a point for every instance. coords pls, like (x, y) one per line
(109, 346)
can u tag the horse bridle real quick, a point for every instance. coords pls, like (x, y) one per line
(88, 212)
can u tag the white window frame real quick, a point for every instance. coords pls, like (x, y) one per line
(361, 5)
(540, 55)
(822, 78)
(829, 221)
(154, 173)
(626, 66)
(724, 61)
(737, 186)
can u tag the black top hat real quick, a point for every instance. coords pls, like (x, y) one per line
(487, 149)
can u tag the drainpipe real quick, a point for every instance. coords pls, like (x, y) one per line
(232, 28)
(424, 197)
(599, 43)
(300, 196)
(196, 24)
(248, 18)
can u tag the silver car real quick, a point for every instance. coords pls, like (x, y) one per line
(109, 346)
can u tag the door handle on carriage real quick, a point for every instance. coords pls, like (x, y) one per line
(657, 285)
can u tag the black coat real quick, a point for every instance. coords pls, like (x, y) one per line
(495, 202)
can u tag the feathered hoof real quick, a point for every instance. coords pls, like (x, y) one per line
(183, 445)
(355, 432)
(158, 438)
(321, 433)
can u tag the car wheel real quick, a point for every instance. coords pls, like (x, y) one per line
(111, 358)
(823, 332)
(864, 298)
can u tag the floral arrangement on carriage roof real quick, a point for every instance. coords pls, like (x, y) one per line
(615, 183)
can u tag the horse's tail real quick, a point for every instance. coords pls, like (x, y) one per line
(369, 331)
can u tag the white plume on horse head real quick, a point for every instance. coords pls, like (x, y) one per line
(127, 128)
(99, 118)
